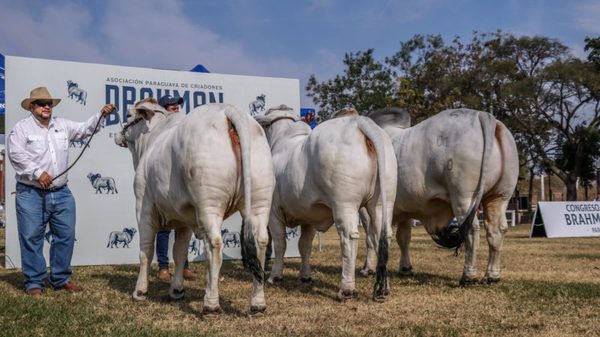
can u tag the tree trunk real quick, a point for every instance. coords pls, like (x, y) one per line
(550, 196)
(571, 184)
(530, 192)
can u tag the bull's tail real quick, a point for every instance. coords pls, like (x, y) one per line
(239, 120)
(376, 138)
(453, 236)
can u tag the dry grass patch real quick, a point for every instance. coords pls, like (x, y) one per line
(550, 287)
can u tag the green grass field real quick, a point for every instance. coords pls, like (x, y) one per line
(550, 287)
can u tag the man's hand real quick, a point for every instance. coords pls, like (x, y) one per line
(108, 109)
(45, 180)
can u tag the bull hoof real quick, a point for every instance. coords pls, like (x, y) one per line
(367, 272)
(139, 295)
(381, 291)
(176, 294)
(406, 272)
(467, 282)
(257, 311)
(489, 280)
(346, 294)
(306, 280)
(275, 280)
(211, 313)
(381, 297)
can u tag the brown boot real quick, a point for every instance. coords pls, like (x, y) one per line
(70, 287)
(35, 293)
(164, 275)
(188, 274)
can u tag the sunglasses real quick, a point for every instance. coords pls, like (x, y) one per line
(43, 103)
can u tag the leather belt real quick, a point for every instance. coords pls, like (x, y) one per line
(54, 189)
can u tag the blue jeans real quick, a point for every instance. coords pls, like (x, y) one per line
(31, 225)
(162, 249)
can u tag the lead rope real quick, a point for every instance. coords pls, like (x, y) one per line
(45, 190)
(83, 150)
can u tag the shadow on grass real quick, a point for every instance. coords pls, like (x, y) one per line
(119, 277)
(14, 278)
(426, 279)
(123, 278)
(319, 286)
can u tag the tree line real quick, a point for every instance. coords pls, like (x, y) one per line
(548, 98)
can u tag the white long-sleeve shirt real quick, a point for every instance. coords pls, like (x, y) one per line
(33, 148)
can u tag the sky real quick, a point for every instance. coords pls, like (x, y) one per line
(274, 38)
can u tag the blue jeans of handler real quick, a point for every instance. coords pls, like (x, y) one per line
(162, 249)
(31, 224)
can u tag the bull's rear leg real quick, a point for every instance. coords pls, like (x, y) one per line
(277, 229)
(213, 247)
(459, 208)
(469, 276)
(346, 222)
(257, 225)
(180, 252)
(403, 237)
(371, 258)
(378, 223)
(495, 226)
(307, 235)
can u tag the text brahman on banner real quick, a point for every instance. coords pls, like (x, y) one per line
(566, 219)
(102, 181)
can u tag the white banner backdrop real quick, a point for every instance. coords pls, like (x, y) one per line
(84, 88)
(566, 219)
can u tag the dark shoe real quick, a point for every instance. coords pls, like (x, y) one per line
(70, 287)
(35, 292)
(164, 275)
(188, 274)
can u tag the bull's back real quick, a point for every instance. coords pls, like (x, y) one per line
(438, 158)
(503, 173)
(341, 165)
(261, 167)
(193, 165)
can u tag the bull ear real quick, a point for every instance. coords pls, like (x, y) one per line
(145, 113)
(391, 117)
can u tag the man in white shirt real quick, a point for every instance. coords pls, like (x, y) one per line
(38, 149)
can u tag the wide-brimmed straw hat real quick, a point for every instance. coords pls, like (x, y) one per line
(39, 93)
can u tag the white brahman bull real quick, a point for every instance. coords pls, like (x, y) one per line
(448, 165)
(323, 177)
(193, 171)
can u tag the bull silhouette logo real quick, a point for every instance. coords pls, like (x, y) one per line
(101, 183)
(291, 233)
(75, 93)
(230, 239)
(258, 105)
(123, 237)
(79, 143)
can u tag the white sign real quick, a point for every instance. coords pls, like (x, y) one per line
(566, 219)
(84, 88)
